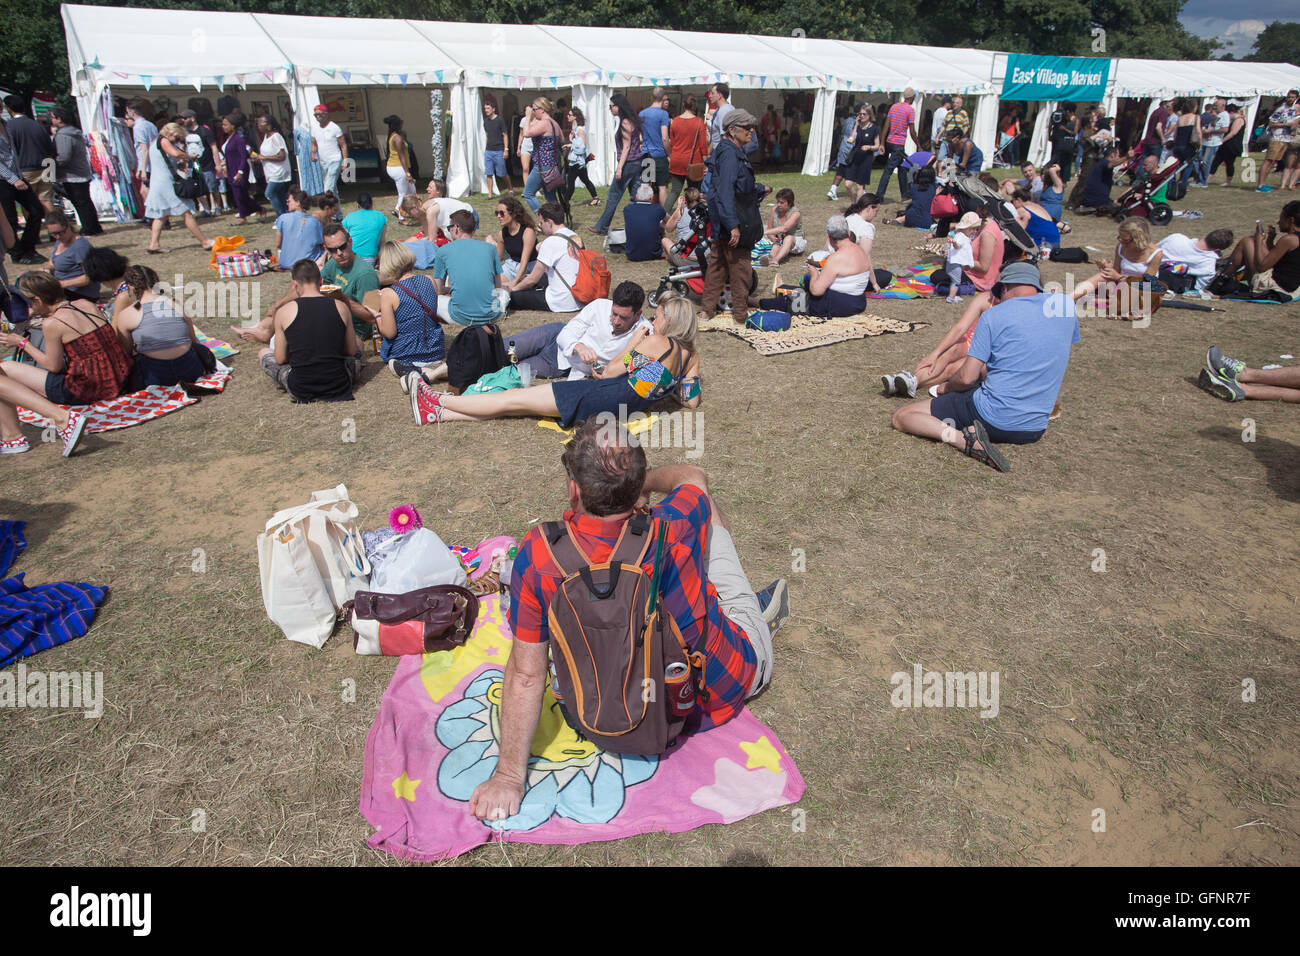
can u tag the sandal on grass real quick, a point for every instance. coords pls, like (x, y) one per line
(594, 202)
(988, 453)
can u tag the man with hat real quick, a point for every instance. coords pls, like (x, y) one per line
(733, 198)
(1005, 390)
(328, 147)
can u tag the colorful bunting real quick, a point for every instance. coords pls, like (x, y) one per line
(146, 80)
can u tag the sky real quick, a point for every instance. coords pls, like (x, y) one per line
(1205, 18)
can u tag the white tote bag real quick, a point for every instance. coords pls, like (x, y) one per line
(311, 562)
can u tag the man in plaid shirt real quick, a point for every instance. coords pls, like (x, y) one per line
(703, 587)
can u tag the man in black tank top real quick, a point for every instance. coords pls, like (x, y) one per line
(316, 356)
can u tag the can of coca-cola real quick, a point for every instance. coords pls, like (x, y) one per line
(680, 690)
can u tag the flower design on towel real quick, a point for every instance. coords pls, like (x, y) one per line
(566, 776)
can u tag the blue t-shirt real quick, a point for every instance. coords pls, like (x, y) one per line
(642, 221)
(470, 267)
(365, 227)
(653, 119)
(302, 237)
(1025, 342)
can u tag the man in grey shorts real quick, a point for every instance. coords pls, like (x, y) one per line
(703, 586)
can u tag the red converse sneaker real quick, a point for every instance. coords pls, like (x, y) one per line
(70, 434)
(14, 446)
(426, 405)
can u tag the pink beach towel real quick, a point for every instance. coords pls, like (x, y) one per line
(434, 740)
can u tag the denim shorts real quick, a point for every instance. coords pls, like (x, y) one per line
(495, 163)
(959, 408)
(210, 179)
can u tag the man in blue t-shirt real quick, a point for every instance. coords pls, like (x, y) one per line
(654, 140)
(467, 275)
(643, 220)
(1005, 390)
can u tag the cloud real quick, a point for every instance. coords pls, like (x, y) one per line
(1237, 36)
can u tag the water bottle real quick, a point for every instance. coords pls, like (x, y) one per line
(507, 568)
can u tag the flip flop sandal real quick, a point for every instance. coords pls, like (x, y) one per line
(988, 455)
(155, 252)
(594, 202)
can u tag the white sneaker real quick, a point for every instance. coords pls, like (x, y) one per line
(832, 195)
(888, 382)
(906, 383)
(934, 391)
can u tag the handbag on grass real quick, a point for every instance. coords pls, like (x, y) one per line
(417, 622)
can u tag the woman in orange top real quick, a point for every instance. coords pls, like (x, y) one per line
(688, 142)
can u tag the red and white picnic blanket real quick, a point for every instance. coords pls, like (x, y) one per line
(137, 407)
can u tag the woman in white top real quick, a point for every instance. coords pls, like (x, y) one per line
(838, 285)
(1136, 253)
(273, 154)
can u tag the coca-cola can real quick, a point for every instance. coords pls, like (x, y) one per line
(681, 692)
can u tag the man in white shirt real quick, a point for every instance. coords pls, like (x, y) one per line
(598, 334)
(936, 127)
(328, 147)
(439, 207)
(1201, 256)
(1211, 140)
(557, 254)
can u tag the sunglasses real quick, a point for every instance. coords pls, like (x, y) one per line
(335, 250)
(501, 213)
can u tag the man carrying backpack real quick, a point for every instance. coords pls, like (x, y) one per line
(697, 582)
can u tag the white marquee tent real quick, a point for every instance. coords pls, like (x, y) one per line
(137, 47)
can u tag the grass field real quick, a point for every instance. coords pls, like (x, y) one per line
(1121, 690)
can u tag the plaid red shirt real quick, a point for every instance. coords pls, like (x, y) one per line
(684, 589)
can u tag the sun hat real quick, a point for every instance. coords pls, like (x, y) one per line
(739, 117)
(969, 221)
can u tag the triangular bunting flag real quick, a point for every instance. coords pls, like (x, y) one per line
(268, 74)
(147, 81)
(402, 77)
(174, 80)
(329, 73)
(438, 74)
(762, 81)
(242, 78)
(221, 83)
(555, 81)
(95, 64)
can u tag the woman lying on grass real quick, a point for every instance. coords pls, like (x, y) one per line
(658, 364)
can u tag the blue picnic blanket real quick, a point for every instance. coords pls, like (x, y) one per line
(36, 619)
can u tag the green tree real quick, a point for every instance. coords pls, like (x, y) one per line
(1277, 43)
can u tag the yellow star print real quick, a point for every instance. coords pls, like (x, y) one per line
(761, 753)
(404, 787)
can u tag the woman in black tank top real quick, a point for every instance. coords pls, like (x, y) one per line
(1278, 250)
(317, 340)
(516, 243)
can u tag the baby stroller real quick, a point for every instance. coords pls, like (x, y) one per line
(1141, 200)
(688, 280)
(972, 194)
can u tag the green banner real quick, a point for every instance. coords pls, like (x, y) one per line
(1055, 78)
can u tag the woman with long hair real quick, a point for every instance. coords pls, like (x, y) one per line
(627, 146)
(399, 163)
(1230, 151)
(658, 364)
(578, 151)
(516, 242)
(160, 335)
(546, 136)
(235, 150)
(82, 363)
(688, 138)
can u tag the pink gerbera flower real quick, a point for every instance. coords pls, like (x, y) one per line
(404, 518)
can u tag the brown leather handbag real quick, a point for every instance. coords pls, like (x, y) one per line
(429, 619)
